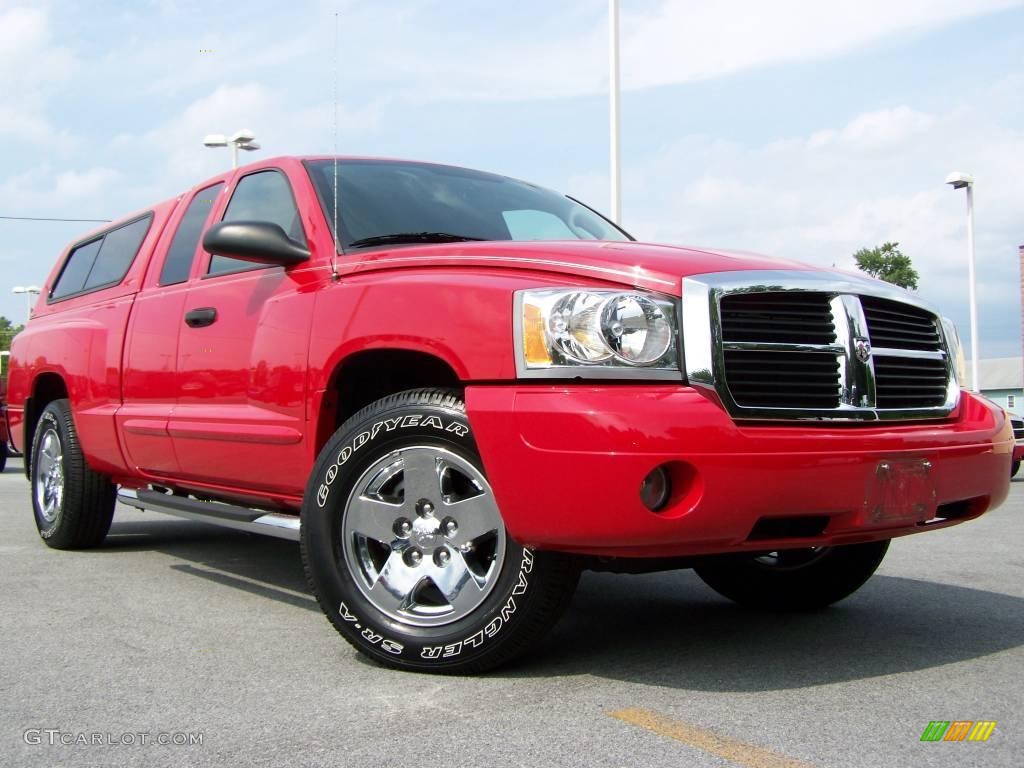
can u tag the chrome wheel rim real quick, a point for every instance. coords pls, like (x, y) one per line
(422, 536)
(49, 477)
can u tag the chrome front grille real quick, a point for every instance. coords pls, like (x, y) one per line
(901, 326)
(784, 345)
(910, 382)
(794, 318)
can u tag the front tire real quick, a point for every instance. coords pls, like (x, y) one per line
(794, 580)
(73, 505)
(405, 548)
(3, 456)
(1014, 468)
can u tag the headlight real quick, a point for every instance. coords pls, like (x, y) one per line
(956, 351)
(598, 333)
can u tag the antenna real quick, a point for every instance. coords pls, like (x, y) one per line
(337, 244)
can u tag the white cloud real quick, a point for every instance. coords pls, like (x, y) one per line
(686, 40)
(879, 177)
(30, 66)
(668, 42)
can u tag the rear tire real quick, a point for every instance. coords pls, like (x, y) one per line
(1014, 468)
(406, 551)
(3, 456)
(73, 505)
(794, 580)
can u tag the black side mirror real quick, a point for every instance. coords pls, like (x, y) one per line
(258, 241)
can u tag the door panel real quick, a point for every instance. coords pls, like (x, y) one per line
(240, 416)
(150, 383)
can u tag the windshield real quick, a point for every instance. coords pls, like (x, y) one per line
(386, 203)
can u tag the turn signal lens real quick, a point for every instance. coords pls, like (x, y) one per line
(534, 349)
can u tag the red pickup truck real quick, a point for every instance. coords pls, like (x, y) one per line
(4, 432)
(457, 390)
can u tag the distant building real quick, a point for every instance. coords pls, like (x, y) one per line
(1002, 380)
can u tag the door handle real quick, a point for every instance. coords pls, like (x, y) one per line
(200, 318)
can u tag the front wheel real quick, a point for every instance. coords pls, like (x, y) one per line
(406, 550)
(794, 580)
(1014, 468)
(3, 456)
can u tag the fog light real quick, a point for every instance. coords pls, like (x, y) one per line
(655, 489)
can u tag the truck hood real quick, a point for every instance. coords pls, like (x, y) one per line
(643, 265)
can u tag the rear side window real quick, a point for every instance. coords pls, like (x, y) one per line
(77, 268)
(186, 240)
(103, 262)
(262, 196)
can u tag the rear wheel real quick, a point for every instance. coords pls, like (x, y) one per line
(1014, 468)
(73, 505)
(406, 550)
(3, 456)
(796, 579)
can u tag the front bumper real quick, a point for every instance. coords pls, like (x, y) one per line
(566, 463)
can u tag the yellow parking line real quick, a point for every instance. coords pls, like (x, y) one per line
(721, 746)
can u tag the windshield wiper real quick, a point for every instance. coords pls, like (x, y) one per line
(411, 237)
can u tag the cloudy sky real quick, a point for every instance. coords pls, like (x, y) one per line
(796, 128)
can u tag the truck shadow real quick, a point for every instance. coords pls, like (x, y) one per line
(671, 630)
(664, 629)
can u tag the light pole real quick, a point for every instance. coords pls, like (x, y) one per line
(243, 139)
(613, 108)
(28, 290)
(966, 181)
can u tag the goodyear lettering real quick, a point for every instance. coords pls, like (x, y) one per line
(388, 425)
(432, 421)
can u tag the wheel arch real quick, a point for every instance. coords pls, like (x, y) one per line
(46, 387)
(368, 375)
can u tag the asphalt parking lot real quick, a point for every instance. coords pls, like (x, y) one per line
(174, 629)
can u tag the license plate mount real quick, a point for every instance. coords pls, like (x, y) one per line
(901, 491)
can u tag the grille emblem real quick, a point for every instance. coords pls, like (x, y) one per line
(862, 347)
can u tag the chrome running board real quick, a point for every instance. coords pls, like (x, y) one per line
(214, 512)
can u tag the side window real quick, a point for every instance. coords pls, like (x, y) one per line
(183, 246)
(261, 196)
(117, 254)
(102, 262)
(77, 268)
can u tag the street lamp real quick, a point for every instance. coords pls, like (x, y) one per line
(960, 180)
(615, 171)
(28, 290)
(243, 139)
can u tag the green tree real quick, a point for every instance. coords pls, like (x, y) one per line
(887, 262)
(8, 331)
